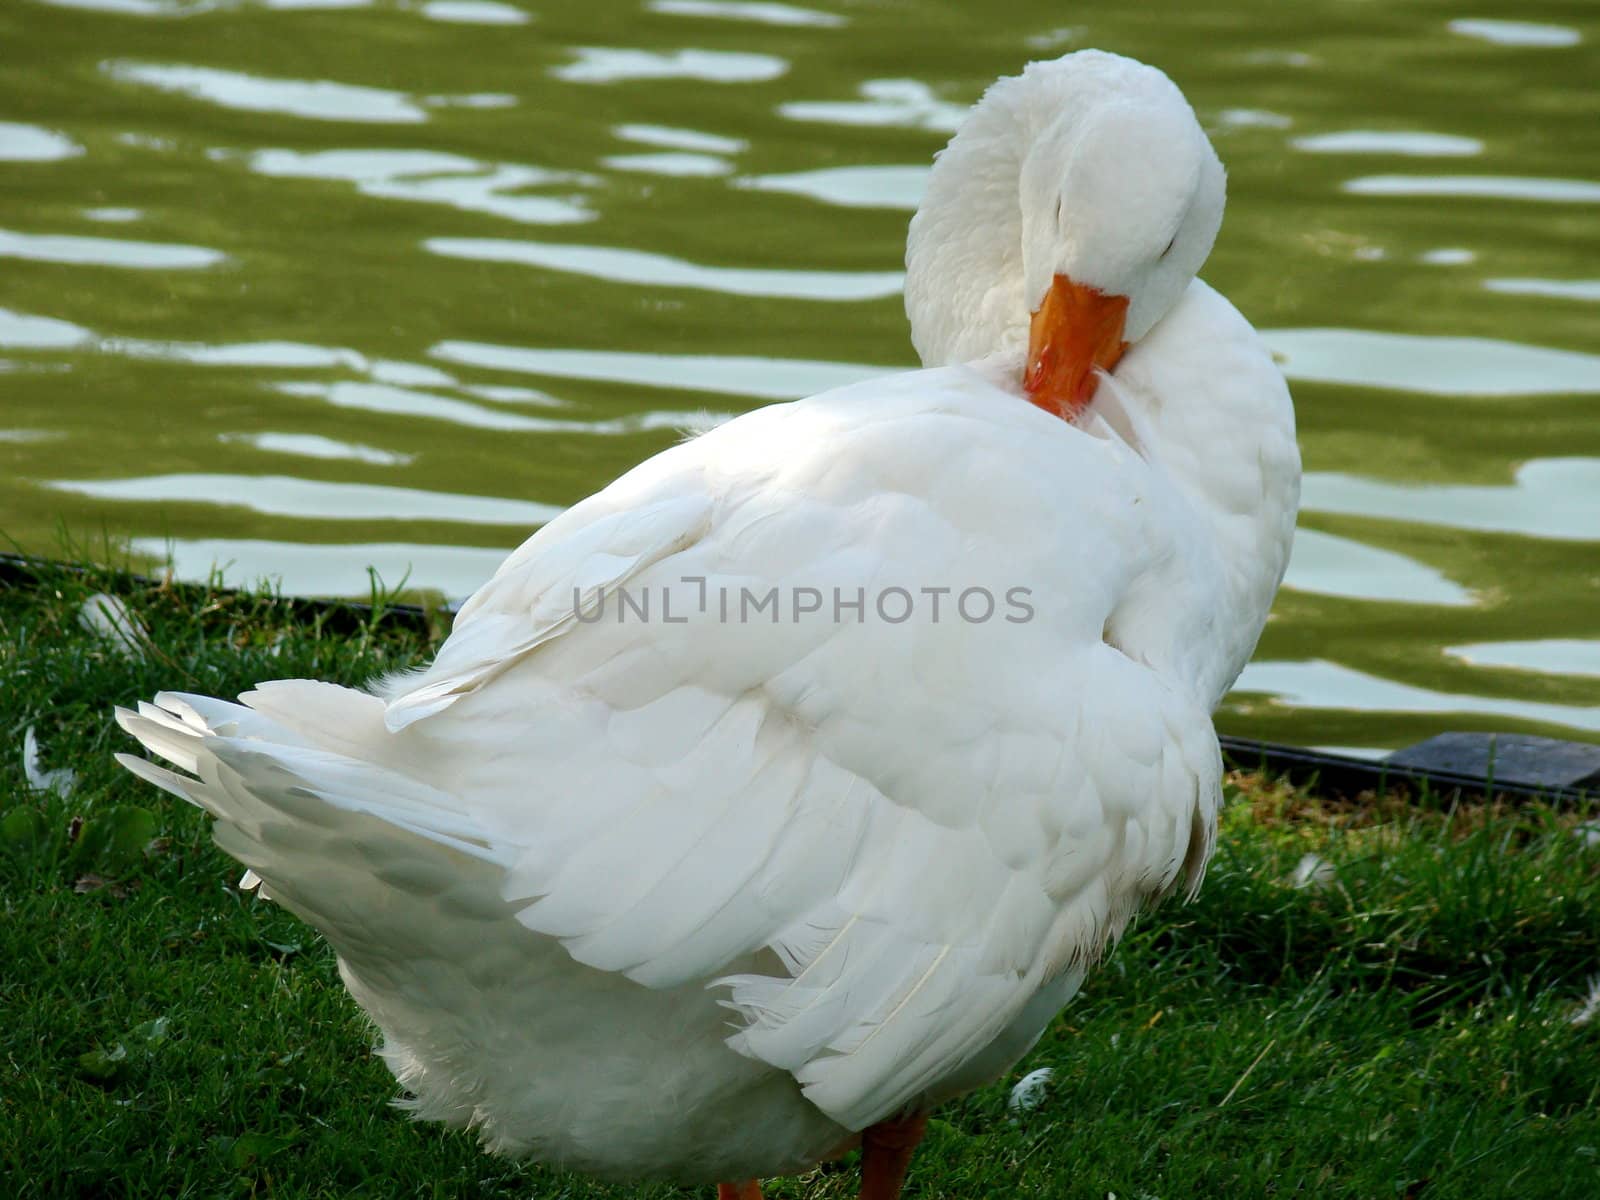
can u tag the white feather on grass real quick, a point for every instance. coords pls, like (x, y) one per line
(60, 780)
(1590, 1009)
(109, 618)
(1313, 871)
(1030, 1091)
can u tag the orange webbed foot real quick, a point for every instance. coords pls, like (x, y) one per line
(886, 1153)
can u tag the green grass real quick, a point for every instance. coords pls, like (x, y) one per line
(1402, 1028)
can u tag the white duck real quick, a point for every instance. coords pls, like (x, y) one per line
(716, 893)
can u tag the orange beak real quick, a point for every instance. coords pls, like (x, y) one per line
(1075, 330)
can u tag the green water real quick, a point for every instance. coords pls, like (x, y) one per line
(300, 286)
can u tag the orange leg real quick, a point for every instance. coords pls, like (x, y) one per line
(885, 1153)
(747, 1189)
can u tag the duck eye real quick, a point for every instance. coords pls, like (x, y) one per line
(1170, 245)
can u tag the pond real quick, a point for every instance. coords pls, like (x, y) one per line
(296, 287)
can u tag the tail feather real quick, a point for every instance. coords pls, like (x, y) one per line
(164, 733)
(324, 714)
(168, 781)
(344, 841)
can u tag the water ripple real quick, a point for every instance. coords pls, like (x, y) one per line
(195, 8)
(398, 401)
(23, 331)
(310, 445)
(606, 64)
(1252, 118)
(906, 103)
(30, 143)
(1492, 187)
(1550, 656)
(1394, 141)
(765, 378)
(321, 569)
(392, 400)
(474, 12)
(113, 215)
(681, 139)
(849, 187)
(1556, 498)
(318, 100)
(1439, 366)
(748, 10)
(673, 163)
(271, 355)
(1556, 289)
(290, 496)
(1515, 33)
(616, 265)
(1334, 566)
(1320, 684)
(432, 177)
(105, 252)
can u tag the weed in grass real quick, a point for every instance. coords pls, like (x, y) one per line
(1400, 1024)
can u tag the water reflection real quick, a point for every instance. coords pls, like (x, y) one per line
(19, 437)
(1373, 141)
(605, 64)
(474, 12)
(21, 331)
(317, 100)
(397, 401)
(310, 445)
(288, 496)
(409, 374)
(1550, 656)
(1334, 566)
(1439, 366)
(272, 355)
(432, 177)
(764, 378)
(907, 103)
(616, 265)
(1251, 118)
(1550, 498)
(472, 100)
(850, 187)
(135, 8)
(1515, 33)
(29, 143)
(105, 252)
(681, 139)
(317, 569)
(113, 216)
(26, 332)
(513, 394)
(1321, 684)
(1556, 289)
(192, 8)
(747, 10)
(1492, 187)
(674, 163)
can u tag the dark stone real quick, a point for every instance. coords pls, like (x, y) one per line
(1509, 758)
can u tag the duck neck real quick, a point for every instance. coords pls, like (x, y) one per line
(1206, 405)
(964, 264)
